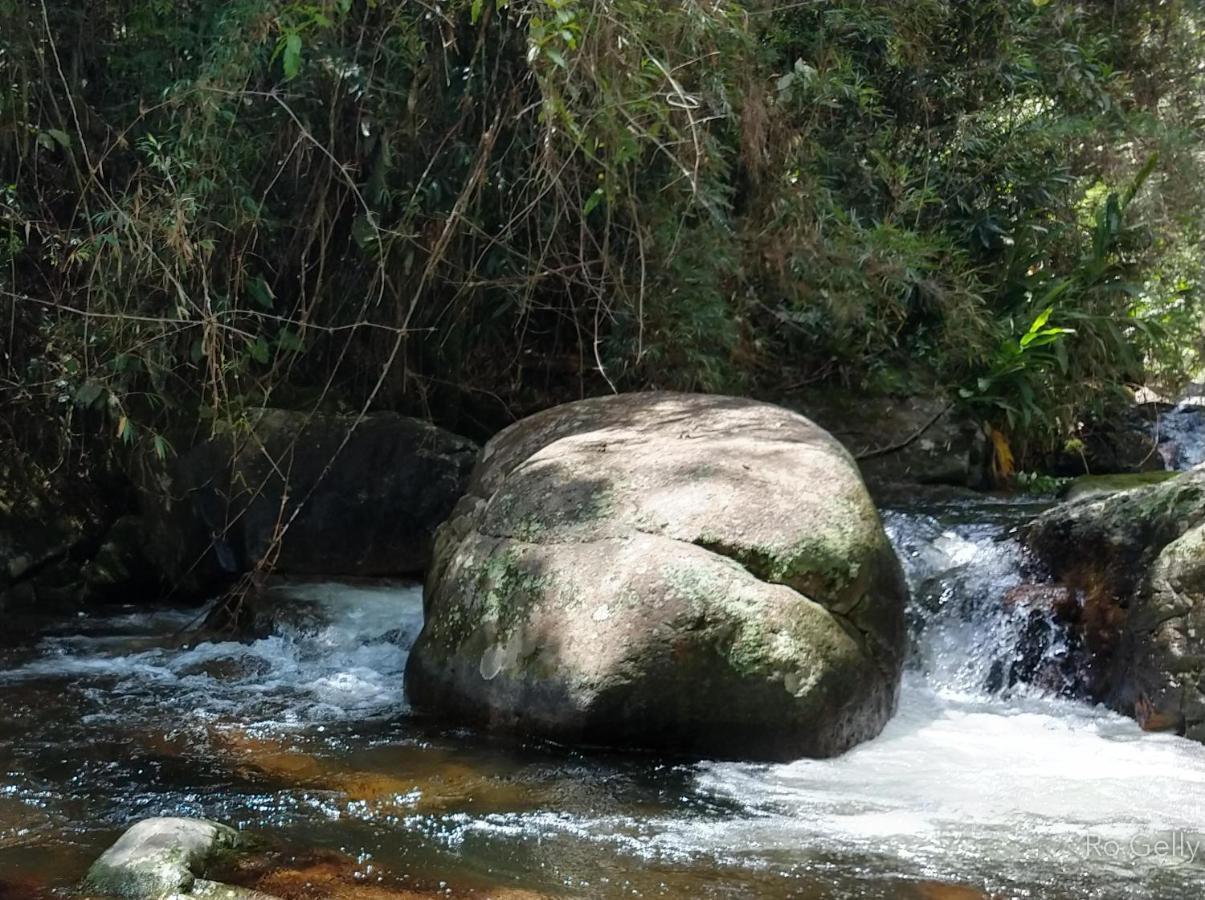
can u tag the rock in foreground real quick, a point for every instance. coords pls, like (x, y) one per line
(161, 857)
(697, 574)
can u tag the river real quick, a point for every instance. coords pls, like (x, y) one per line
(1007, 791)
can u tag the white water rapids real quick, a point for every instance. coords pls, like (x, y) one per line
(1012, 792)
(1180, 432)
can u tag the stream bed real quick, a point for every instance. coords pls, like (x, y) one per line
(974, 789)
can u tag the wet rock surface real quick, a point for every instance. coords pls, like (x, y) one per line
(1137, 561)
(163, 857)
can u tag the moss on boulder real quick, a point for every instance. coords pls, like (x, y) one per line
(1092, 487)
(694, 573)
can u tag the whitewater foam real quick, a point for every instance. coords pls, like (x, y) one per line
(347, 667)
(1003, 790)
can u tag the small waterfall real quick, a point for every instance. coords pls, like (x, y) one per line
(988, 770)
(974, 626)
(1180, 432)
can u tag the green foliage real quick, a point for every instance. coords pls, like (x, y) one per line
(489, 206)
(934, 209)
(1024, 376)
(1041, 485)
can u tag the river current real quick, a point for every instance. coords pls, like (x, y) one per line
(982, 784)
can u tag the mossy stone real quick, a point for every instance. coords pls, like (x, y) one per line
(696, 574)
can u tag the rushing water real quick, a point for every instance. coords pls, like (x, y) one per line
(978, 781)
(1180, 432)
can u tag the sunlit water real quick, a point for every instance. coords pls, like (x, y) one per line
(305, 736)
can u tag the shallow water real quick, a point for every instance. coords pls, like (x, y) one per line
(305, 736)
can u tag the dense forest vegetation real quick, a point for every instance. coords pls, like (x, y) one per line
(521, 448)
(470, 209)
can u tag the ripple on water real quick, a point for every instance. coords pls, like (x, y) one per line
(306, 734)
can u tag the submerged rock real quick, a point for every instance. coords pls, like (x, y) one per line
(163, 857)
(1137, 560)
(300, 873)
(369, 507)
(693, 573)
(216, 890)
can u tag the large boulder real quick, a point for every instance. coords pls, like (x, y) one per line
(292, 489)
(1120, 441)
(1137, 561)
(693, 573)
